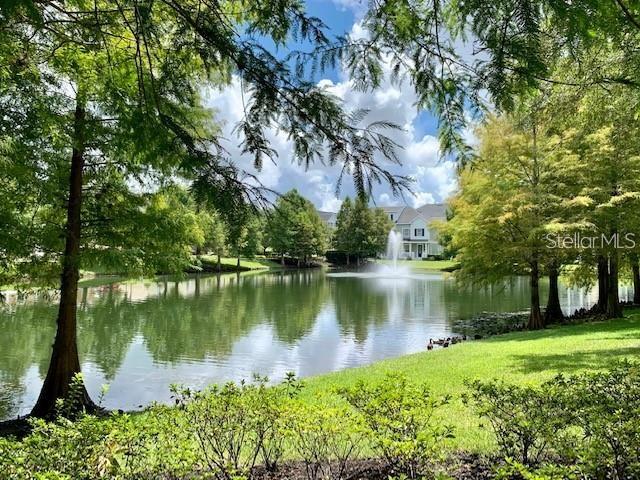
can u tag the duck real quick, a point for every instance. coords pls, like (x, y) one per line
(430, 345)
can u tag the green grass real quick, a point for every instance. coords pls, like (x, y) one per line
(522, 358)
(245, 264)
(436, 265)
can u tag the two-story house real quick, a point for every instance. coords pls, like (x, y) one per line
(419, 238)
(329, 218)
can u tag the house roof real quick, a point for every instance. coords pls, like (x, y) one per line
(407, 215)
(433, 210)
(427, 212)
(404, 214)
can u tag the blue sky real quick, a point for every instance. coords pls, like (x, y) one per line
(434, 179)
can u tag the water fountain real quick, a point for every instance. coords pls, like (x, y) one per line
(394, 245)
(387, 271)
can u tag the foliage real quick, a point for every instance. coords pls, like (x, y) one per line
(605, 406)
(214, 231)
(360, 231)
(513, 470)
(401, 416)
(522, 418)
(294, 228)
(101, 107)
(235, 425)
(326, 438)
(589, 421)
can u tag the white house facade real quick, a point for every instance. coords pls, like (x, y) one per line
(329, 218)
(419, 237)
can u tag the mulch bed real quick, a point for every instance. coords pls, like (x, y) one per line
(461, 466)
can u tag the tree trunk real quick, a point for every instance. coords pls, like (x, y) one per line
(348, 259)
(65, 363)
(219, 263)
(636, 282)
(614, 309)
(553, 312)
(536, 321)
(282, 260)
(603, 277)
(238, 263)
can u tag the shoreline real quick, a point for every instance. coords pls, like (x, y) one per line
(527, 357)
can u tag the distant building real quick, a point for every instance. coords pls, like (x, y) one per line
(419, 238)
(329, 218)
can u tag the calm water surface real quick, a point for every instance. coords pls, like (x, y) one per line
(141, 337)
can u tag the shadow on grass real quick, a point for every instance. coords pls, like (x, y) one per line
(587, 328)
(575, 361)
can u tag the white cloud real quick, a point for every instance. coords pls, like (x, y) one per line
(358, 7)
(420, 198)
(434, 179)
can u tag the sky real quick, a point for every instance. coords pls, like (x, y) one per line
(434, 178)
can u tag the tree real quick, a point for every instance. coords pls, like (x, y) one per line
(214, 231)
(380, 227)
(602, 135)
(521, 43)
(98, 96)
(360, 230)
(295, 228)
(506, 205)
(253, 237)
(342, 234)
(278, 228)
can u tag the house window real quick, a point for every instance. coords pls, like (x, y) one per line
(406, 248)
(391, 216)
(418, 232)
(406, 232)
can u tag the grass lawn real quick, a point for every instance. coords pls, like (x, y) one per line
(436, 265)
(245, 264)
(527, 357)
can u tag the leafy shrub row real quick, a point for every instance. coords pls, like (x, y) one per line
(224, 432)
(585, 425)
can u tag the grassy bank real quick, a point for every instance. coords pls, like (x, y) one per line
(230, 264)
(420, 265)
(526, 357)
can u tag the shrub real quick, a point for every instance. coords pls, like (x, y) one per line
(524, 419)
(326, 439)
(606, 407)
(236, 424)
(400, 417)
(512, 470)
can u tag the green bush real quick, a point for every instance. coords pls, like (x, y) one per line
(512, 470)
(400, 416)
(236, 425)
(86, 448)
(590, 422)
(524, 419)
(606, 408)
(326, 438)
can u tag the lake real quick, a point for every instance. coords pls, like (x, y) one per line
(140, 337)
